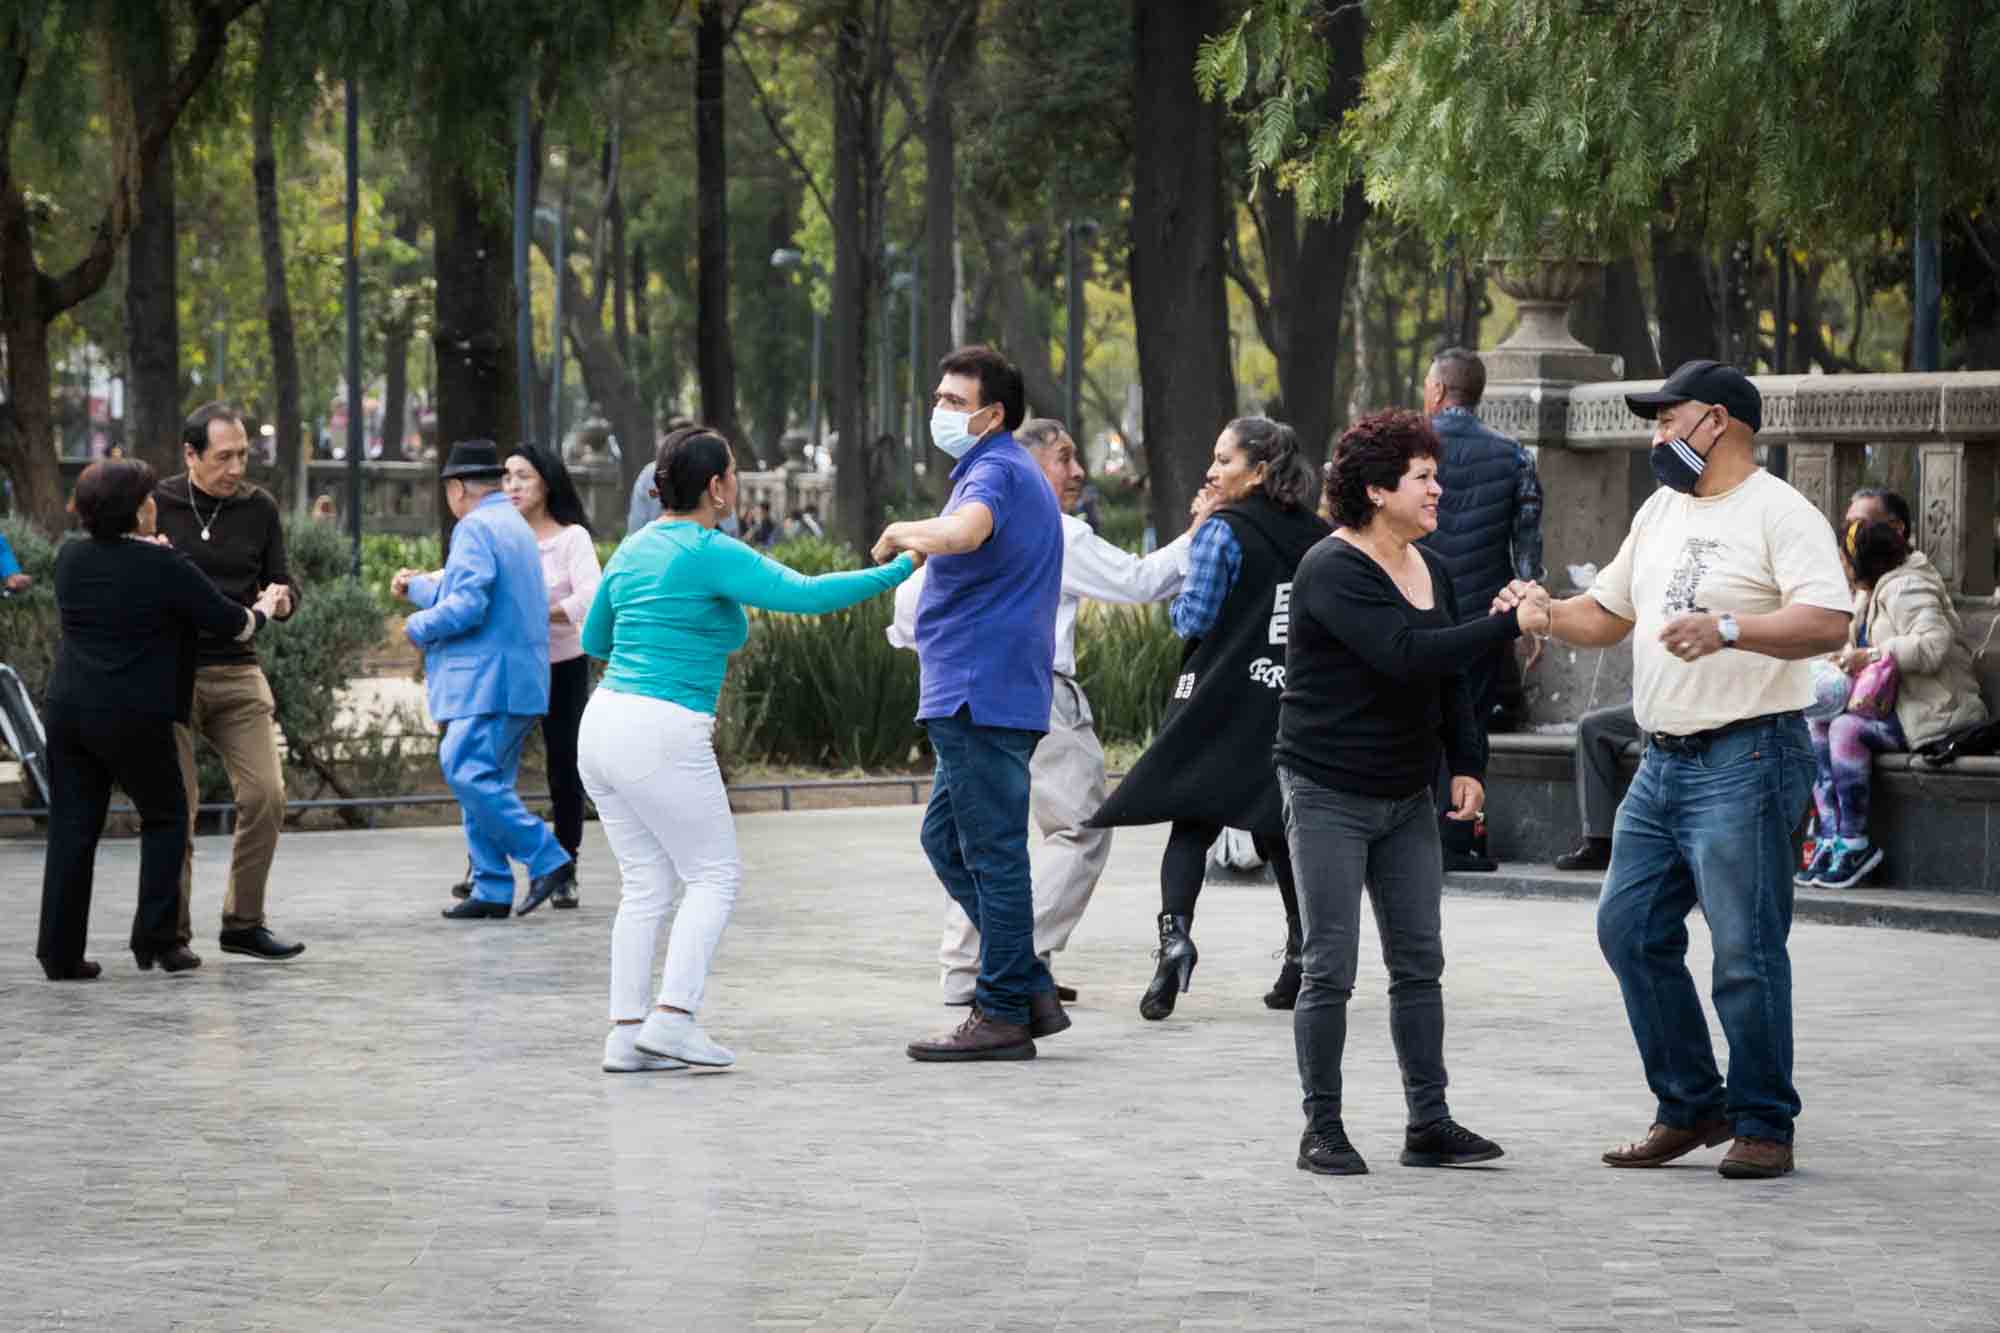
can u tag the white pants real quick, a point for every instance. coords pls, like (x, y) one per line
(1067, 786)
(649, 767)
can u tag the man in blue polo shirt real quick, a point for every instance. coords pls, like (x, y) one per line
(986, 627)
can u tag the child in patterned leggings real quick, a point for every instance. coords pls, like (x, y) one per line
(1845, 746)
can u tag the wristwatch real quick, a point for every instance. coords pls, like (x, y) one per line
(1726, 626)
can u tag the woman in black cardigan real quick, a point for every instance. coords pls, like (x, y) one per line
(1374, 694)
(131, 608)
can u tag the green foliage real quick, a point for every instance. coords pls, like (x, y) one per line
(1517, 126)
(815, 555)
(382, 554)
(1126, 660)
(28, 625)
(315, 654)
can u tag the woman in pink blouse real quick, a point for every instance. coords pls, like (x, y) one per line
(543, 493)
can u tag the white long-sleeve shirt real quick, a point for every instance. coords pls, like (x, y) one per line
(1093, 568)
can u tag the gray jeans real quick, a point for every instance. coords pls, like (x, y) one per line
(1340, 843)
(1601, 738)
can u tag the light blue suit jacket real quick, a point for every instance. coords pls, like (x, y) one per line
(485, 626)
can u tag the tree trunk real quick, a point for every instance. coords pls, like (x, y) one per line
(1178, 302)
(1308, 271)
(621, 325)
(27, 419)
(607, 379)
(1626, 332)
(715, 357)
(152, 304)
(476, 395)
(771, 408)
(858, 509)
(277, 296)
(1026, 343)
(1680, 290)
(949, 49)
(396, 353)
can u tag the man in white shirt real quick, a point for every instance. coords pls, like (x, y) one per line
(1067, 772)
(1733, 582)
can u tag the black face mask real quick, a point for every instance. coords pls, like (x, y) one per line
(1677, 466)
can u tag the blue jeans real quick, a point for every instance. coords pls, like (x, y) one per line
(480, 756)
(1712, 828)
(976, 835)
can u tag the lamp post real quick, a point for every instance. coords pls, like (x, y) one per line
(1073, 341)
(788, 259)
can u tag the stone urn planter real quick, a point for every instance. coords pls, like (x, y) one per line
(1542, 347)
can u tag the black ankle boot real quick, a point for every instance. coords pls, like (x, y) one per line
(1177, 959)
(1284, 992)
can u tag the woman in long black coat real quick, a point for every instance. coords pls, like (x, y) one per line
(131, 609)
(1210, 766)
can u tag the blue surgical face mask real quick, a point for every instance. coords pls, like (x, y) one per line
(1677, 466)
(951, 431)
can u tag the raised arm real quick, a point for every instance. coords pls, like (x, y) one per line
(1095, 568)
(472, 570)
(744, 575)
(1365, 614)
(961, 532)
(197, 599)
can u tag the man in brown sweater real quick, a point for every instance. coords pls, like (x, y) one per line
(230, 528)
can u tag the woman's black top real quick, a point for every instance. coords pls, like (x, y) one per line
(1374, 688)
(1210, 761)
(131, 614)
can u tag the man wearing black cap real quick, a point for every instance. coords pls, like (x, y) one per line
(484, 629)
(1733, 583)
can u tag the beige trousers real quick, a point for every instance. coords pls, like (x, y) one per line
(233, 710)
(1066, 785)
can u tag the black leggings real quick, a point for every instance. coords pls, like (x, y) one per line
(1185, 865)
(569, 691)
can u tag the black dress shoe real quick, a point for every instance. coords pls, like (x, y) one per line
(478, 909)
(543, 887)
(1067, 994)
(1328, 1153)
(81, 970)
(180, 958)
(463, 889)
(1588, 854)
(1045, 1014)
(565, 895)
(258, 942)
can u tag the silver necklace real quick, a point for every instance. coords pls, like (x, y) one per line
(205, 524)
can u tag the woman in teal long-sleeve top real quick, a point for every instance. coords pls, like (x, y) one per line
(666, 618)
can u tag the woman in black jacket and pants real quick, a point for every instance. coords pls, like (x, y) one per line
(1375, 693)
(131, 609)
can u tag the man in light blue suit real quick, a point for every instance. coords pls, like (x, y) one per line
(484, 629)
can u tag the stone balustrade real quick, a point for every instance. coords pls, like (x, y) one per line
(1591, 452)
(1585, 440)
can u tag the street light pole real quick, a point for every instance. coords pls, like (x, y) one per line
(556, 334)
(524, 316)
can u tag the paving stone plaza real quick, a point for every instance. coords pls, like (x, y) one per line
(408, 1128)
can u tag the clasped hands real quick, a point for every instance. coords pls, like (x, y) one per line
(892, 543)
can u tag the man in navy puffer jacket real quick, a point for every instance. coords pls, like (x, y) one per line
(1489, 528)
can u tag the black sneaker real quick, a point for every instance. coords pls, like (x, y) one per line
(1447, 1143)
(1328, 1153)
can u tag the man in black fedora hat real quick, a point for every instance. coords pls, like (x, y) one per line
(484, 629)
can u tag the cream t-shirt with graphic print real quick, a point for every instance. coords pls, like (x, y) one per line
(1756, 548)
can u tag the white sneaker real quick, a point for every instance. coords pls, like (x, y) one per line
(677, 1037)
(623, 1056)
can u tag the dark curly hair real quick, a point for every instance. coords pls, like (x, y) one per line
(1288, 478)
(1377, 450)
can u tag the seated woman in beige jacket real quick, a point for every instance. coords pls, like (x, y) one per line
(1903, 610)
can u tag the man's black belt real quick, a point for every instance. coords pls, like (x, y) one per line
(1699, 741)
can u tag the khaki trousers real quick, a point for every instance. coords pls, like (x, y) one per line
(233, 710)
(1067, 786)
